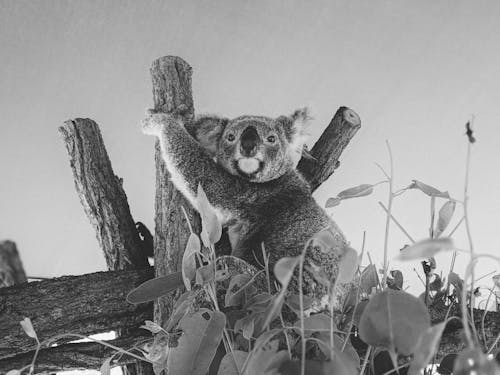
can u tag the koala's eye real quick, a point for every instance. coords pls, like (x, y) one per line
(271, 139)
(231, 137)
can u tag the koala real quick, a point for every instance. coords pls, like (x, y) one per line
(247, 168)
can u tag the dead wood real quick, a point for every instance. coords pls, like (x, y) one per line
(11, 267)
(327, 150)
(171, 77)
(102, 195)
(77, 356)
(86, 304)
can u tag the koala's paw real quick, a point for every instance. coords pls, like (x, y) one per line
(153, 123)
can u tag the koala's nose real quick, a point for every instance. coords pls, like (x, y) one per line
(249, 141)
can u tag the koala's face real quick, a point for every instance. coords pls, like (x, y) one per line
(256, 148)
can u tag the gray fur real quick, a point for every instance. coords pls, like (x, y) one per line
(273, 206)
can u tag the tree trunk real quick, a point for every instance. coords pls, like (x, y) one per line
(11, 267)
(87, 304)
(329, 147)
(77, 356)
(171, 88)
(102, 195)
(104, 201)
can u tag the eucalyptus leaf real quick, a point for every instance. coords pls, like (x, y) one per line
(293, 302)
(201, 334)
(444, 218)
(106, 367)
(181, 308)
(396, 280)
(155, 288)
(428, 190)
(446, 365)
(355, 192)
(426, 248)
(456, 281)
(28, 328)
(193, 246)
(496, 280)
(474, 361)
(235, 294)
(273, 310)
(210, 224)
(394, 320)
(248, 329)
(326, 240)
(266, 359)
(426, 348)
(348, 265)
(314, 323)
(151, 326)
(205, 274)
(283, 269)
(332, 202)
(369, 279)
(232, 363)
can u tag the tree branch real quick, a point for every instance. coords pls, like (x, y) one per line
(171, 77)
(102, 195)
(329, 147)
(11, 267)
(86, 304)
(76, 356)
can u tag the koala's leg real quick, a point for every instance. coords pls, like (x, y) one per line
(189, 165)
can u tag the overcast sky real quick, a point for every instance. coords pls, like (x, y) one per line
(415, 72)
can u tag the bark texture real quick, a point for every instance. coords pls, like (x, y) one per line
(327, 150)
(171, 77)
(11, 267)
(95, 303)
(102, 195)
(76, 356)
(86, 304)
(104, 201)
(453, 340)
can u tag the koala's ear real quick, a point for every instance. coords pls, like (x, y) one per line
(295, 123)
(207, 130)
(294, 128)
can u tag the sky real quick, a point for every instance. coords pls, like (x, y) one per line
(415, 72)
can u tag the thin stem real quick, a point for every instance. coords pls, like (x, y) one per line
(388, 218)
(463, 306)
(358, 287)
(288, 345)
(420, 278)
(332, 291)
(120, 350)
(301, 303)
(484, 317)
(433, 214)
(469, 235)
(365, 360)
(494, 344)
(397, 223)
(266, 267)
(38, 347)
(456, 226)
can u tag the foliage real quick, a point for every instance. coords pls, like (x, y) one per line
(245, 333)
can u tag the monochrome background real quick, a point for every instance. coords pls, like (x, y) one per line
(415, 71)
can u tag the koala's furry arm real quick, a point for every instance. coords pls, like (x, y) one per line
(190, 165)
